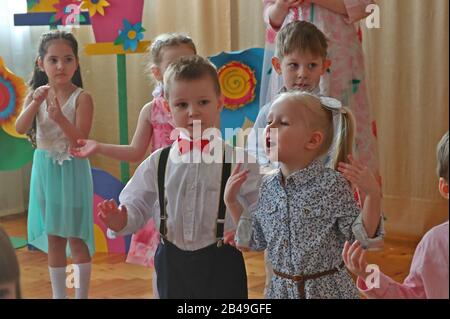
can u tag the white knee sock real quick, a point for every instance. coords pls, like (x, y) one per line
(85, 277)
(58, 280)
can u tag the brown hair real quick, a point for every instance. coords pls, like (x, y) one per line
(301, 36)
(442, 157)
(167, 40)
(9, 265)
(190, 68)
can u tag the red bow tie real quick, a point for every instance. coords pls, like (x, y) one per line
(185, 146)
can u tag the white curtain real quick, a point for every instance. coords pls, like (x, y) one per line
(18, 47)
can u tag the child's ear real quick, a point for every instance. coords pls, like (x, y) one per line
(315, 141)
(156, 71)
(276, 63)
(443, 188)
(326, 65)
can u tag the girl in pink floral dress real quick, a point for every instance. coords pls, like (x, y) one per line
(345, 79)
(153, 128)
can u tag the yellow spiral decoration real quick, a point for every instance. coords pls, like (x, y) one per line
(238, 84)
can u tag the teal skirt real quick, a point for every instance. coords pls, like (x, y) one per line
(61, 200)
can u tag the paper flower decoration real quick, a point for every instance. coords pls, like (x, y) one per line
(95, 6)
(66, 13)
(238, 84)
(130, 35)
(12, 93)
(31, 3)
(240, 81)
(16, 151)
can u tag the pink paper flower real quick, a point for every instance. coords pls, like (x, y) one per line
(64, 11)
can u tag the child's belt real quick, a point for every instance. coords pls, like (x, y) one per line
(301, 279)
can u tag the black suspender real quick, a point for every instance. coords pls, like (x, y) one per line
(162, 198)
(226, 171)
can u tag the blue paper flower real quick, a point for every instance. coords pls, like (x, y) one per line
(130, 35)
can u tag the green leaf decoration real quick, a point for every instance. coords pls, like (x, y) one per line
(31, 4)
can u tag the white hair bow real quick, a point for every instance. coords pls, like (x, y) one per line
(332, 104)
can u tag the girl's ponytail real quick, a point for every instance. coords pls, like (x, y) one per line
(346, 137)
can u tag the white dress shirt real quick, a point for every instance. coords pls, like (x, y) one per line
(192, 191)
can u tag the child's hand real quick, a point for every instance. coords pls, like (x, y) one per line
(234, 183)
(287, 4)
(228, 238)
(112, 216)
(54, 110)
(354, 257)
(360, 176)
(41, 93)
(85, 148)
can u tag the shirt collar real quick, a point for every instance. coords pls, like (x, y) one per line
(315, 91)
(303, 176)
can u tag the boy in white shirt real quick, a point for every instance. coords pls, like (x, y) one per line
(191, 261)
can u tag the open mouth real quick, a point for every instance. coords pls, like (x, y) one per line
(269, 143)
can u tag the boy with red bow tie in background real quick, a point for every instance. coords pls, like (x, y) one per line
(182, 186)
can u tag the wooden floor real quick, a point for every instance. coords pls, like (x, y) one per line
(113, 278)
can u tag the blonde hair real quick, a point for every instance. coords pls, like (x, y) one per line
(301, 36)
(9, 265)
(168, 40)
(442, 157)
(320, 117)
(190, 68)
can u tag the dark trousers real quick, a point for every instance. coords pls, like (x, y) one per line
(210, 272)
